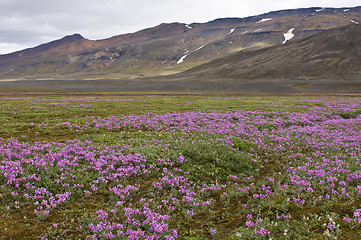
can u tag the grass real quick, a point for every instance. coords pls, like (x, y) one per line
(209, 167)
(20, 112)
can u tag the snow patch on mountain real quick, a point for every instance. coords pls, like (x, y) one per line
(199, 48)
(288, 35)
(187, 53)
(264, 20)
(182, 59)
(231, 31)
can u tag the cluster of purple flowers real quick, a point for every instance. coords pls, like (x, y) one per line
(318, 147)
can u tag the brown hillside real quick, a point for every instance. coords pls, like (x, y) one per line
(159, 50)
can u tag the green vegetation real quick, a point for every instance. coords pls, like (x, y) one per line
(201, 167)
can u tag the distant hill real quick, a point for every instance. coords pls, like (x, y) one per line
(332, 54)
(172, 48)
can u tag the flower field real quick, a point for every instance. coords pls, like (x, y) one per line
(180, 167)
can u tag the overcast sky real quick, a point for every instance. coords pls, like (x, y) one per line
(28, 23)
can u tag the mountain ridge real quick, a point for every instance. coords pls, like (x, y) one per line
(159, 50)
(312, 57)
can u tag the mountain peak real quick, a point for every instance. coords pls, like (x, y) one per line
(73, 37)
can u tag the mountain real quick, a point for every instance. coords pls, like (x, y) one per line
(170, 48)
(332, 54)
(326, 62)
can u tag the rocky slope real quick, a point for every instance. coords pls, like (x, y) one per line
(332, 54)
(170, 48)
